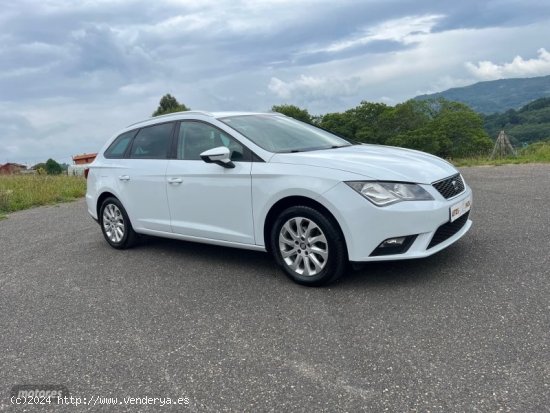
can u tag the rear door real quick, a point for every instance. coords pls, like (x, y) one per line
(142, 178)
(207, 200)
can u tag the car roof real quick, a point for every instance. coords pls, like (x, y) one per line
(188, 113)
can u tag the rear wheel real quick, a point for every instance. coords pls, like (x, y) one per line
(308, 246)
(115, 224)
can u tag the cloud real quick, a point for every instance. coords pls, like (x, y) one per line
(518, 67)
(313, 88)
(397, 30)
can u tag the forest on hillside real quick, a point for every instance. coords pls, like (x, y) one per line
(529, 124)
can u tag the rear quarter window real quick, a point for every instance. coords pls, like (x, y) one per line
(117, 149)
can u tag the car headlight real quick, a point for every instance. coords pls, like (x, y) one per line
(387, 193)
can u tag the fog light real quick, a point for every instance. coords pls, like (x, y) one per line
(392, 242)
(392, 246)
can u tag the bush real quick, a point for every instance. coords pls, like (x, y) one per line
(53, 168)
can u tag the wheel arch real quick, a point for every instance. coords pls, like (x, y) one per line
(295, 200)
(103, 197)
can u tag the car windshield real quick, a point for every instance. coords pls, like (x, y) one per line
(276, 133)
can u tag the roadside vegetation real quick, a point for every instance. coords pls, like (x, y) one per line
(538, 152)
(19, 192)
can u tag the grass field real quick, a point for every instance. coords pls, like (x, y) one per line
(25, 191)
(538, 152)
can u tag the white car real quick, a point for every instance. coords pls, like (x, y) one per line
(264, 181)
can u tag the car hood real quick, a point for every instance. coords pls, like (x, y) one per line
(375, 162)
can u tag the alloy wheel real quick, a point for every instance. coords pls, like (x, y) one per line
(303, 246)
(113, 223)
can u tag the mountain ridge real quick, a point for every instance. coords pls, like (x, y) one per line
(494, 96)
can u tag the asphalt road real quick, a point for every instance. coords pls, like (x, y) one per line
(465, 330)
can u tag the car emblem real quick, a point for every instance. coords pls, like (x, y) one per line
(454, 184)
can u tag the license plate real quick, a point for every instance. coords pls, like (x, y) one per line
(459, 209)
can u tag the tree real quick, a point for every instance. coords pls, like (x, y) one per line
(438, 126)
(341, 124)
(463, 128)
(423, 139)
(403, 119)
(441, 127)
(366, 121)
(169, 104)
(53, 168)
(293, 112)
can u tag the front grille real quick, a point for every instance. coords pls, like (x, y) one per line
(447, 230)
(450, 187)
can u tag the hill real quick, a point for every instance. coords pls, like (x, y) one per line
(497, 95)
(528, 124)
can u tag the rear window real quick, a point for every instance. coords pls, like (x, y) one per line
(119, 145)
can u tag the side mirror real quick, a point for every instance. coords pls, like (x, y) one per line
(220, 155)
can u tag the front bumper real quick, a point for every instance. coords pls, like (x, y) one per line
(365, 225)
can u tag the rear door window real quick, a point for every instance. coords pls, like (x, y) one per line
(153, 142)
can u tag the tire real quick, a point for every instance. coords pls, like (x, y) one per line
(308, 246)
(115, 224)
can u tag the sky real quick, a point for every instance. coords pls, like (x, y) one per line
(73, 73)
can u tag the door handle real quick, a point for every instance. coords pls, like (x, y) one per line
(124, 177)
(175, 180)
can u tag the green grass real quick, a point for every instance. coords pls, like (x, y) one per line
(538, 152)
(19, 192)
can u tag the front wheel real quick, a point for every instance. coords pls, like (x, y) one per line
(115, 224)
(308, 246)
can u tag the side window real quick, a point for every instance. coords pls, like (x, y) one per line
(196, 137)
(117, 149)
(152, 142)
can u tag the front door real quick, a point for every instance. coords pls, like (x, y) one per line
(207, 200)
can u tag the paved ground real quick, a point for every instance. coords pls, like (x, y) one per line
(465, 330)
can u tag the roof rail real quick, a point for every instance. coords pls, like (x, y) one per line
(184, 112)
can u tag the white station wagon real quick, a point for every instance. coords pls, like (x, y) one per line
(264, 181)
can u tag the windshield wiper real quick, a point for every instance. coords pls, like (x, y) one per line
(333, 147)
(316, 149)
